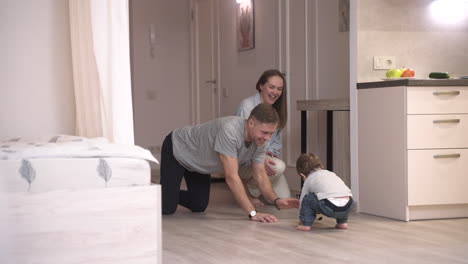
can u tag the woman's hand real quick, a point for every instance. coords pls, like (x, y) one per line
(287, 203)
(271, 154)
(269, 167)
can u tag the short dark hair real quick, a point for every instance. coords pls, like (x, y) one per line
(281, 105)
(307, 163)
(265, 113)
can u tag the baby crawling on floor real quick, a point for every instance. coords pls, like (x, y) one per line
(323, 192)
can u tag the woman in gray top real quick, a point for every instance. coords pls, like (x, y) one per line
(271, 87)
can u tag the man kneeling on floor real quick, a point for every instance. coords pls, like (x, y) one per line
(220, 145)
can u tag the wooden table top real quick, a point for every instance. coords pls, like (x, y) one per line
(323, 105)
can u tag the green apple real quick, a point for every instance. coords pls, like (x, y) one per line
(393, 73)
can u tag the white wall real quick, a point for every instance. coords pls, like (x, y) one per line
(161, 85)
(406, 30)
(36, 85)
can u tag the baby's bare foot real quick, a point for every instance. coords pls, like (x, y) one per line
(303, 228)
(342, 226)
(256, 202)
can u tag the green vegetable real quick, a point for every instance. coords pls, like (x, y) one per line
(439, 75)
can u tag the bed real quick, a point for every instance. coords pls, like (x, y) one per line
(71, 199)
(71, 162)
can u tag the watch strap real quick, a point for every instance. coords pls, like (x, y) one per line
(276, 205)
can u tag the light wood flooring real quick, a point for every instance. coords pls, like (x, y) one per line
(223, 234)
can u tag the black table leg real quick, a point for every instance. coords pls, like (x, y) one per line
(303, 131)
(303, 136)
(330, 140)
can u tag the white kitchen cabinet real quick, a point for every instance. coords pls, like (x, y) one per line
(413, 151)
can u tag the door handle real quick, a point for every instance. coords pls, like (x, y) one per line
(211, 81)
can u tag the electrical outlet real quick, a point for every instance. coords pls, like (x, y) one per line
(384, 62)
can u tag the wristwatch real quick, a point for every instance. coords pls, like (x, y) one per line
(252, 214)
(276, 205)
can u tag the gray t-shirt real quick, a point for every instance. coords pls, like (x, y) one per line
(197, 147)
(325, 184)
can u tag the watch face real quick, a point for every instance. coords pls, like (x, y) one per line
(253, 213)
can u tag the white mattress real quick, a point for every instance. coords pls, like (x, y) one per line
(71, 162)
(74, 173)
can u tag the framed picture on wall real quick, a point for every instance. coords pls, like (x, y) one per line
(245, 25)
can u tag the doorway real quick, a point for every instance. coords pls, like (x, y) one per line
(205, 83)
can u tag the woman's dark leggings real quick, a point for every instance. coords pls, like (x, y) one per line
(196, 196)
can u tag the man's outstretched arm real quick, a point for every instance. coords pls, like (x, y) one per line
(264, 184)
(234, 182)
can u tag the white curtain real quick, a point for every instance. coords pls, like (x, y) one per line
(101, 69)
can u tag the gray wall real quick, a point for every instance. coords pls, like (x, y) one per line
(38, 47)
(161, 85)
(43, 102)
(240, 70)
(300, 37)
(36, 83)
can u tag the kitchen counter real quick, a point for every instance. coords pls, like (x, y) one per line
(413, 82)
(413, 148)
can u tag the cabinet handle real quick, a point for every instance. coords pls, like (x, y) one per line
(444, 156)
(440, 121)
(447, 93)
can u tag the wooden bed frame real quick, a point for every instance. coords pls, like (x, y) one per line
(103, 225)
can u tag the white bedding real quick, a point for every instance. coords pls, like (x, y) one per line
(64, 146)
(71, 162)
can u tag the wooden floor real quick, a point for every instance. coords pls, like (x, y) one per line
(224, 235)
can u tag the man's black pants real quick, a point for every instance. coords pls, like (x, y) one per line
(196, 196)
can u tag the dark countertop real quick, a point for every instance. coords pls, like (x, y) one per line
(413, 82)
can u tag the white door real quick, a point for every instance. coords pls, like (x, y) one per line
(205, 47)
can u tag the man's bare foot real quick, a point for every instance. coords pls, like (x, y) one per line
(256, 202)
(341, 226)
(303, 228)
